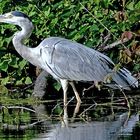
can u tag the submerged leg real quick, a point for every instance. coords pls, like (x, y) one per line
(64, 84)
(77, 98)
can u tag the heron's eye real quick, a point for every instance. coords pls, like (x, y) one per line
(8, 15)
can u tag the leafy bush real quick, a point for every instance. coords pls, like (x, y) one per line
(85, 22)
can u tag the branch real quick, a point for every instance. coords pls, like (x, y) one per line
(20, 127)
(110, 46)
(104, 41)
(19, 107)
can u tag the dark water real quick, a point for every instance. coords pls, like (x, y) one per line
(34, 123)
(100, 117)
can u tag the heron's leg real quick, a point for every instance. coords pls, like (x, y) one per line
(77, 98)
(64, 84)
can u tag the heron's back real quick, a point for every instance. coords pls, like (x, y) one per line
(76, 62)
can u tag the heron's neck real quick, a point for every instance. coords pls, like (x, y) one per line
(18, 42)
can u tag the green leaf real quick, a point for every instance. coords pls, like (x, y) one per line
(13, 62)
(97, 1)
(19, 82)
(22, 64)
(57, 86)
(47, 12)
(4, 65)
(83, 29)
(72, 34)
(53, 22)
(94, 28)
(3, 89)
(58, 109)
(137, 6)
(25, 117)
(28, 80)
(4, 81)
(130, 6)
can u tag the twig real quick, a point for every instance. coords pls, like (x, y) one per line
(104, 41)
(55, 108)
(25, 108)
(93, 105)
(110, 46)
(19, 107)
(27, 87)
(66, 105)
(20, 127)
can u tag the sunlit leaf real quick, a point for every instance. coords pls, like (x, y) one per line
(28, 80)
(130, 6)
(4, 81)
(19, 82)
(22, 64)
(3, 89)
(47, 12)
(97, 1)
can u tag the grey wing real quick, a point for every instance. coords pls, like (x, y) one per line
(73, 61)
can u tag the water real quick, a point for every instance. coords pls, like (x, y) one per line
(34, 123)
(98, 119)
(112, 130)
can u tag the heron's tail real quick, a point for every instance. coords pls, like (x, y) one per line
(125, 80)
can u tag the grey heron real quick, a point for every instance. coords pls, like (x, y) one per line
(66, 60)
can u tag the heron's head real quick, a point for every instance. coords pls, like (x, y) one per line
(16, 18)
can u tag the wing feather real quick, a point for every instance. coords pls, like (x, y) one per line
(73, 61)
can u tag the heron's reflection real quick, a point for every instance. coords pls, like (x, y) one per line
(96, 130)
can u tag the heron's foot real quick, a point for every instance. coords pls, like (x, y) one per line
(95, 84)
(87, 89)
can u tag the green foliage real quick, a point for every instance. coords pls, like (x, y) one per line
(57, 86)
(65, 18)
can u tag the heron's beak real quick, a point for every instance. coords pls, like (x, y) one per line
(6, 19)
(2, 18)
